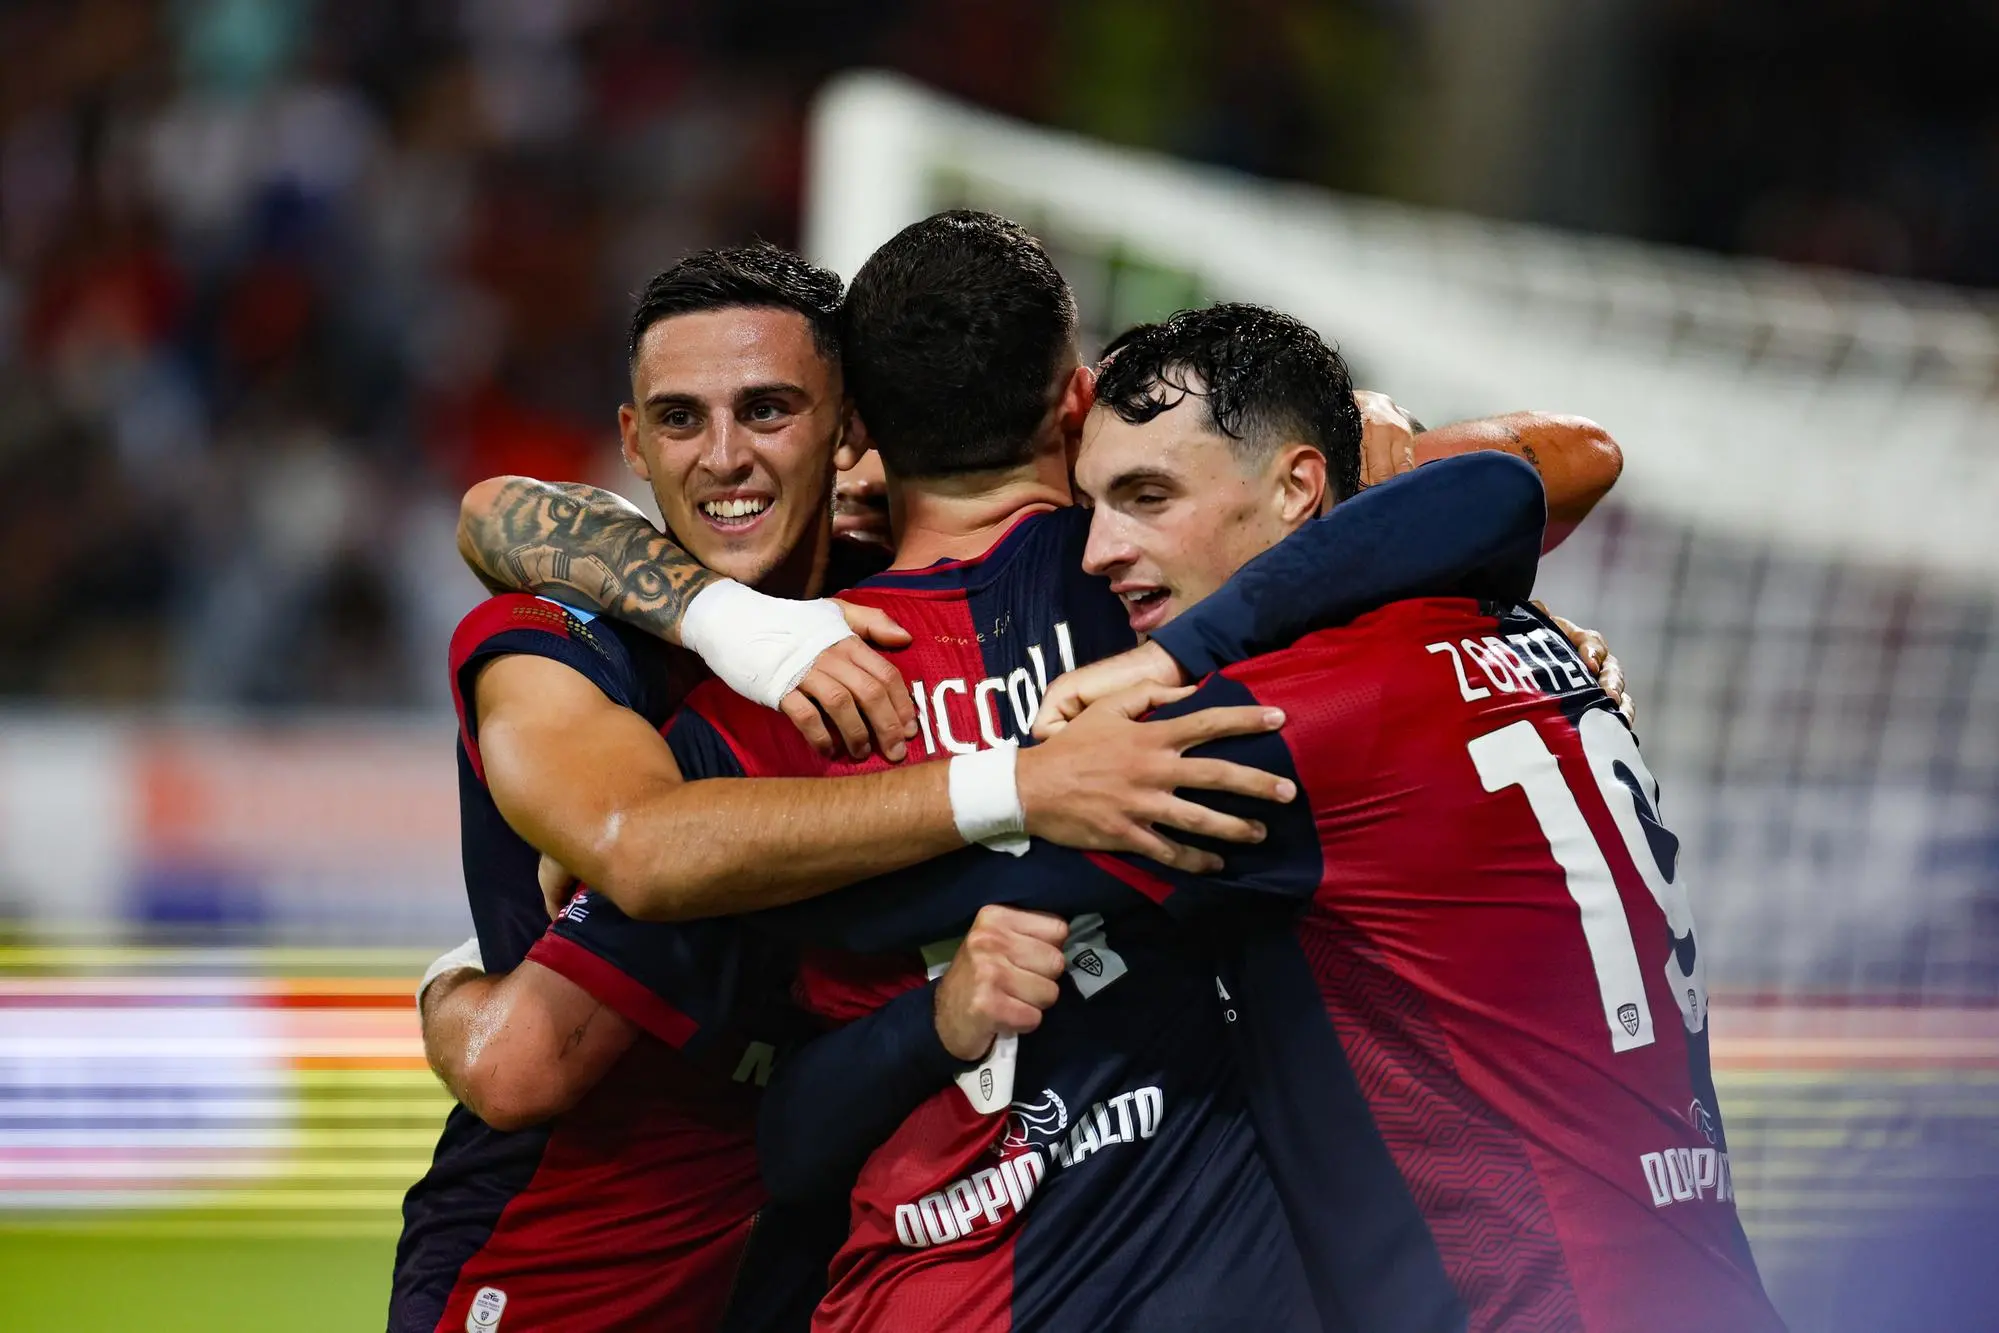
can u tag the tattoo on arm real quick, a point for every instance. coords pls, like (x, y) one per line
(575, 1038)
(586, 547)
(1520, 442)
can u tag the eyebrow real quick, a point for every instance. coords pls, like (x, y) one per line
(777, 389)
(1138, 476)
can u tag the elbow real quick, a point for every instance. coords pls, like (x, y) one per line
(505, 1095)
(1598, 462)
(476, 512)
(627, 874)
(654, 870)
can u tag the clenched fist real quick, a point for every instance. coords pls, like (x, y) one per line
(1005, 973)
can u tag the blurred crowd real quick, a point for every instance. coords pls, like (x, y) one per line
(278, 278)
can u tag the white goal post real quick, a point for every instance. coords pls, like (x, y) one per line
(1839, 412)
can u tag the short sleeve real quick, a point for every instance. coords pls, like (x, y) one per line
(678, 981)
(516, 623)
(698, 747)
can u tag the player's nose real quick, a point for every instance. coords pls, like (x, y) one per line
(1106, 550)
(729, 449)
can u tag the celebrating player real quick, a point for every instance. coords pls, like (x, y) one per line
(1462, 971)
(990, 616)
(740, 409)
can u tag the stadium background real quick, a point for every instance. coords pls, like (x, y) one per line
(277, 279)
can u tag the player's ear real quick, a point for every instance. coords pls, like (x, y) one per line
(628, 441)
(1079, 395)
(1301, 483)
(852, 441)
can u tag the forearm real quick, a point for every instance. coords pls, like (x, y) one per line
(835, 1100)
(580, 545)
(1578, 460)
(938, 899)
(723, 846)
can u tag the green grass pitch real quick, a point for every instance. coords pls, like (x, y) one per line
(96, 1281)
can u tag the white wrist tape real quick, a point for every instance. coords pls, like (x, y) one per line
(985, 800)
(465, 955)
(759, 646)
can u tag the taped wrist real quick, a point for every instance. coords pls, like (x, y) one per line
(759, 646)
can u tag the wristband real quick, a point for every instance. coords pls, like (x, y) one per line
(985, 799)
(759, 646)
(465, 956)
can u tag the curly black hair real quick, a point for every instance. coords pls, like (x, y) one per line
(757, 276)
(1264, 378)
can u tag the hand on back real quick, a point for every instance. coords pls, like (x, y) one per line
(1108, 782)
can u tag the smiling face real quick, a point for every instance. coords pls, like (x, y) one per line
(1179, 507)
(735, 418)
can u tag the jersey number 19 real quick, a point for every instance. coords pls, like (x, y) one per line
(1516, 755)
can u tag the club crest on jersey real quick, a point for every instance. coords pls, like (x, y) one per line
(1627, 1014)
(1094, 963)
(487, 1307)
(986, 1081)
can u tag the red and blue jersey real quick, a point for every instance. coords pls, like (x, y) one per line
(1121, 1188)
(1467, 989)
(1150, 1207)
(639, 1208)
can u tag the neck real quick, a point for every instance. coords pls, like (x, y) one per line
(958, 517)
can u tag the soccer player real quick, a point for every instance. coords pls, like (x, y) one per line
(1462, 970)
(582, 1117)
(993, 617)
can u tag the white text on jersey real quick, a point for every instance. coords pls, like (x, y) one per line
(988, 1197)
(1537, 662)
(980, 720)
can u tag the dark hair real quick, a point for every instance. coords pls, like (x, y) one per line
(954, 331)
(1264, 377)
(758, 276)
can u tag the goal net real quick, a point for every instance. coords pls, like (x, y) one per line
(1798, 571)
